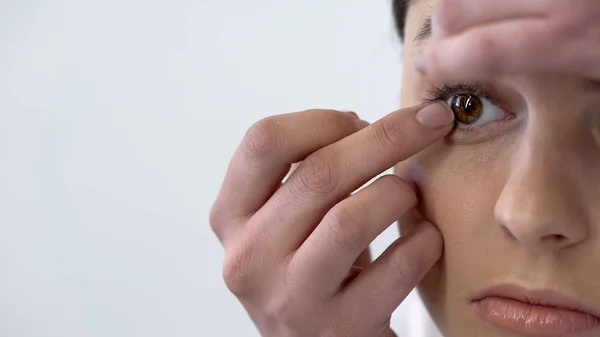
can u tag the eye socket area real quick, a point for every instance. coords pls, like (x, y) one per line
(483, 111)
(473, 110)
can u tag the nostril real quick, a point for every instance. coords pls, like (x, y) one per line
(556, 238)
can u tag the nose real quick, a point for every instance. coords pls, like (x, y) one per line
(540, 206)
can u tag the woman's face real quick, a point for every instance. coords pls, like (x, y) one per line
(516, 195)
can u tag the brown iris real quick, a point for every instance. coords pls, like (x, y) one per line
(467, 108)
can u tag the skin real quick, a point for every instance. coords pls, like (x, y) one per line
(519, 204)
(515, 203)
(490, 38)
(297, 252)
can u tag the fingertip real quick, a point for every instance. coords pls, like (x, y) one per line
(436, 116)
(431, 61)
(361, 124)
(426, 61)
(431, 236)
(420, 63)
(351, 113)
(427, 237)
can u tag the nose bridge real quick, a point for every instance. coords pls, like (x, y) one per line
(539, 205)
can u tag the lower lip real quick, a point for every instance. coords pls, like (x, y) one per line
(533, 319)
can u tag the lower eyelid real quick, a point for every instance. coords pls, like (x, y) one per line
(465, 135)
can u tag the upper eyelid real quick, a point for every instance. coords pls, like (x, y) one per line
(441, 93)
(444, 92)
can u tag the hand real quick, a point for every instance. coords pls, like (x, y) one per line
(297, 252)
(476, 39)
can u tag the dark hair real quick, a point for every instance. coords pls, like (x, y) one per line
(400, 7)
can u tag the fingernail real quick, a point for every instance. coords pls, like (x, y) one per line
(420, 63)
(352, 113)
(436, 116)
(361, 124)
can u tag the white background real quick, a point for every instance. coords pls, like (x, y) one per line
(118, 121)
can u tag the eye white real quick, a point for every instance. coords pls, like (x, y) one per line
(490, 113)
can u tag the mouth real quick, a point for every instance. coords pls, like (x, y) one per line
(535, 312)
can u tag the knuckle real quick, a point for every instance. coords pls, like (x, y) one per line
(316, 175)
(345, 229)
(236, 273)
(263, 138)
(215, 220)
(390, 134)
(287, 311)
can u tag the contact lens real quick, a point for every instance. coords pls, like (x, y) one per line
(467, 108)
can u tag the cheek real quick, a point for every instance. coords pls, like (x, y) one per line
(458, 190)
(458, 187)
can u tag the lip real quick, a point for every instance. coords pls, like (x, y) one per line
(536, 312)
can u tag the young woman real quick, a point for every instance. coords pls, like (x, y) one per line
(497, 186)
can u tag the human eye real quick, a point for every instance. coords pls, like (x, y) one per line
(470, 109)
(476, 109)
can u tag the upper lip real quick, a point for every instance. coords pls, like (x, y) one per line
(542, 297)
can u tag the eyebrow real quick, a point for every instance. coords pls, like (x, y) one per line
(424, 31)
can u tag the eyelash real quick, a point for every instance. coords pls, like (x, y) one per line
(435, 94)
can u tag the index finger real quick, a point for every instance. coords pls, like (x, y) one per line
(451, 17)
(331, 173)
